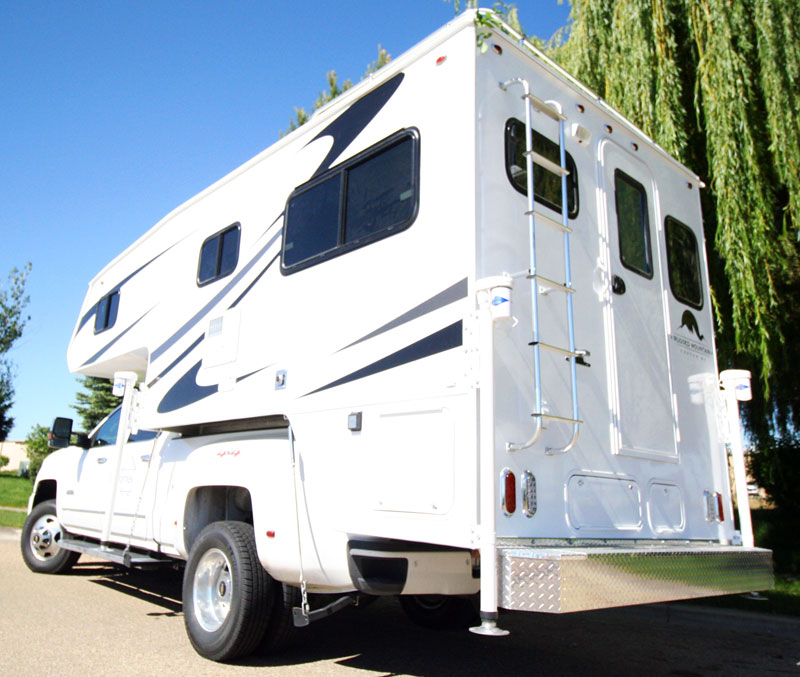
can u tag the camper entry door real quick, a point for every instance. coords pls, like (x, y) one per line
(642, 409)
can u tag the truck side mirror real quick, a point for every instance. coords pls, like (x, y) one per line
(60, 434)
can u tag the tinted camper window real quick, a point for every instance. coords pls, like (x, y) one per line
(219, 255)
(369, 197)
(683, 262)
(546, 184)
(106, 314)
(633, 224)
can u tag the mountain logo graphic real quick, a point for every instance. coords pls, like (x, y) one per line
(689, 322)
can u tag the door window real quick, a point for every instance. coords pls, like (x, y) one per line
(632, 223)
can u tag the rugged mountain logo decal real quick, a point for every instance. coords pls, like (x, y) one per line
(689, 322)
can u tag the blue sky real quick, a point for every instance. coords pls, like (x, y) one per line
(114, 113)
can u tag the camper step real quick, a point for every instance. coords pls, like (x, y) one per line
(551, 166)
(548, 221)
(557, 419)
(551, 284)
(112, 553)
(560, 351)
(544, 107)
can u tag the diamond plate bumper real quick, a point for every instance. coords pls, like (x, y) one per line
(564, 579)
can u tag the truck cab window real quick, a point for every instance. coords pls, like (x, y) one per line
(683, 263)
(633, 224)
(107, 433)
(219, 255)
(369, 197)
(546, 184)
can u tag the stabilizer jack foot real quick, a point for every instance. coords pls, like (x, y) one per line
(490, 629)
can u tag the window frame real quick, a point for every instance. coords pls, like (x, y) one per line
(108, 310)
(669, 219)
(341, 170)
(618, 173)
(572, 177)
(237, 226)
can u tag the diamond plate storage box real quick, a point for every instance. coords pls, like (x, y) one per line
(561, 580)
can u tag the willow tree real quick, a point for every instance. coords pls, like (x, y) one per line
(717, 84)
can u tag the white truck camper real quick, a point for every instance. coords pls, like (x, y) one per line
(450, 340)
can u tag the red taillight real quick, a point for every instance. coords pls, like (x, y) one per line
(720, 512)
(509, 492)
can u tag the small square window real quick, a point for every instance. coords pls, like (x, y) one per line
(683, 263)
(219, 255)
(106, 314)
(546, 184)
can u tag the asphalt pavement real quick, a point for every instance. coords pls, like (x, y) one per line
(106, 620)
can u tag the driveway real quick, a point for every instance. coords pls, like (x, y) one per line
(104, 620)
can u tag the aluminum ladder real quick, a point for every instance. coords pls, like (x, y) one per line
(538, 281)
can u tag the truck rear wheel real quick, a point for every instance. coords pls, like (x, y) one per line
(440, 612)
(227, 594)
(41, 535)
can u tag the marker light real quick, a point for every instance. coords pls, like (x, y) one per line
(509, 492)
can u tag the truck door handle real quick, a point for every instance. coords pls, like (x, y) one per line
(102, 459)
(145, 457)
(617, 284)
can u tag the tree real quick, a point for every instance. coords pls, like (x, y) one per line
(6, 400)
(95, 405)
(334, 90)
(13, 301)
(36, 448)
(717, 84)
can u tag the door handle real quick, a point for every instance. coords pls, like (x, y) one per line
(617, 284)
(145, 457)
(102, 459)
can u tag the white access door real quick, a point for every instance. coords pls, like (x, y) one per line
(643, 418)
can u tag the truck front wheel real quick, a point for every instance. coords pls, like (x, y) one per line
(41, 536)
(227, 594)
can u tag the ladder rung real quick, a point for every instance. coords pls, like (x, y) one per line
(546, 282)
(555, 349)
(549, 165)
(559, 419)
(544, 107)
(549, 221)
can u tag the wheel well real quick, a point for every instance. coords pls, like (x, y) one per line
(45, 491)
(205, 505)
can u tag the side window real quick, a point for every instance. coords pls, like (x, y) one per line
(369, 197)
(107, 434)
(546, 184)
(633, 224)
(106, 314)
(219, 255)
(683, 263)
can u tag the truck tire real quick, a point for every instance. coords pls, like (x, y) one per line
(227, 594)
(440, 612)
(41, 535)
(281, 632)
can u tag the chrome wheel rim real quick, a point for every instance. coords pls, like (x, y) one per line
(212, 590)
(45, 538)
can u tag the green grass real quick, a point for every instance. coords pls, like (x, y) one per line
(14, 491)
(784, 599)
(11, 518)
